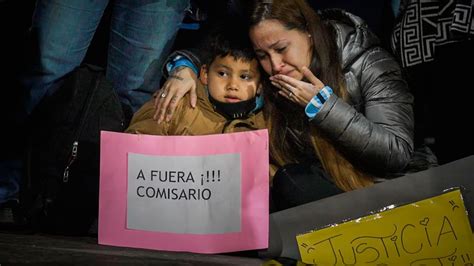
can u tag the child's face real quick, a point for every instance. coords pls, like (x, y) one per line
(230, 81)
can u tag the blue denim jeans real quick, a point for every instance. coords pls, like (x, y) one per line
(141, 35)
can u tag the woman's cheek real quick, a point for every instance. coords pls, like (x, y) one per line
(267, 67)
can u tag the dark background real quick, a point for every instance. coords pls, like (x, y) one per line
(440, 85)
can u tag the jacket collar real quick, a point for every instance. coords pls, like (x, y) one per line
(352, 34)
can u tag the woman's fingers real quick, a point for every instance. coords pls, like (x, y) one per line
(287, 81)
(289, 92)
(284, 87)
(160, 99)
(290, 96)
(296, 90)
(178, 84)
(167, 105)
(159, 96)
(193, 97)
(284, 83)
(173, 103)
(312, 78)
(163, 102)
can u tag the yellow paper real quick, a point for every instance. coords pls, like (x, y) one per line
(435, 231)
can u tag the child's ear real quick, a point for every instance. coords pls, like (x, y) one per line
(203, 74)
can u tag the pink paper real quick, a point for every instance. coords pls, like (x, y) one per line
(253, 147)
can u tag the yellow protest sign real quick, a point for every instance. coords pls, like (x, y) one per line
(434, 231)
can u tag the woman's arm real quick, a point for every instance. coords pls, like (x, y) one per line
(380, 136)
(181, 71)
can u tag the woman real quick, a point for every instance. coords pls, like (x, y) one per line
(338, 98)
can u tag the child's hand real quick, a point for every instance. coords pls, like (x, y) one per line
(298, 91)
(180, 82)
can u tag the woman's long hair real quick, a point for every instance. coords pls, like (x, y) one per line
(325, 64)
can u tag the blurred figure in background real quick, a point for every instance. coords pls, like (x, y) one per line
(434, 42)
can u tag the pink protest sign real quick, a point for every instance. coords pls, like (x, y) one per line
(203, 194)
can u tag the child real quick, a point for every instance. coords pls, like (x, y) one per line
(229, 93)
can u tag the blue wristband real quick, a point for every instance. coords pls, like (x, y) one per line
(317, 102)
(180, 61)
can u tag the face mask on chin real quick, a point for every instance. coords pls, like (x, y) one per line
(237, 110)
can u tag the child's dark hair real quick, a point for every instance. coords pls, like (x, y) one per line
(228, 38)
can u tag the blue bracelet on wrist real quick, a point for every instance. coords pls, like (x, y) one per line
(317, 102)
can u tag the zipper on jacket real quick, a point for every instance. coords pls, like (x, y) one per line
(71, 160)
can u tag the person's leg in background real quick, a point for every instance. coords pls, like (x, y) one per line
(60, 34)
(142, 34)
